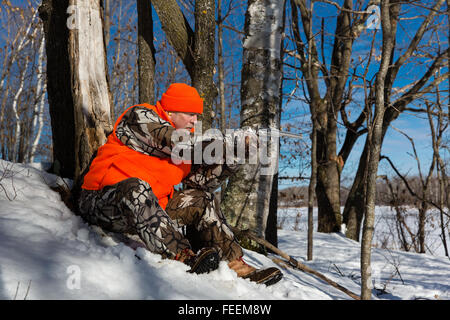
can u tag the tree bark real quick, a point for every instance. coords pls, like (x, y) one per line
(90, 89)
(247, 196)
(146, 58)
(388, 20)
(78, 89)
(221, 80)
(61, 105)
(204, 48)
(311, 194)
(177, 30)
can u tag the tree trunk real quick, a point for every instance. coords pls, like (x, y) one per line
(354, 206)
(41, 88)
(78, 90)
(311, 193)
(177, 30)
(146, 58)
(204, 48)
(90, 89)
(328, 177)
(106, 21)
(196, 49)
(221, 80)
(272, 219)
(59, 89)
(329, 164)
(375, 138)
(271, 229)
(247, 196)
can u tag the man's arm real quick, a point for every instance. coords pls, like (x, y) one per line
(209, 177)
(142, 130)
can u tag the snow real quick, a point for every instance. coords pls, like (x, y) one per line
(46, 252)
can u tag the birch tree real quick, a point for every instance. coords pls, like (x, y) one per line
(20, 82)
(38, 113)
(247, 196)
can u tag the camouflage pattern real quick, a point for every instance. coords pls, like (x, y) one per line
(142, 130)
(208, 227)
(130, 206)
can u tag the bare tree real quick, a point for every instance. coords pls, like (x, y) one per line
(423, 195)
(22, 89)
(324, 110)
(333, 77)
(389, 15)
(41, 87)
(397, 101)
(436, 136)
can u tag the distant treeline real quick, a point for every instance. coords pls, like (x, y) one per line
(298, 196)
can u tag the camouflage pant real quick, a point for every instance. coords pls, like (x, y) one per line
(131, 207)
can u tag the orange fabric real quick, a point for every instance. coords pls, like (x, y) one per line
(116, 162)
(180, 97)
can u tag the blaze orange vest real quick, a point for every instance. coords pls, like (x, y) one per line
(116, 162)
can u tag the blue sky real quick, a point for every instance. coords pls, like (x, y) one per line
(395, 145)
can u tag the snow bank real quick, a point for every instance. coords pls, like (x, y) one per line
(46, 252)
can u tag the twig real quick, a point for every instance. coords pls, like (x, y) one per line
(338, 270)
(5, 174)
(408, 187)
(291, 261)
(17, 290)
(28, 290)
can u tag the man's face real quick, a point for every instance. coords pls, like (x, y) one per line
(183, 120)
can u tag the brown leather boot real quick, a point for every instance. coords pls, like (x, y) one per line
(206, 260)
(266, 276)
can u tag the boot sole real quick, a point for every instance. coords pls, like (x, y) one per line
(208, 262)
(274, 279)
(267, 276)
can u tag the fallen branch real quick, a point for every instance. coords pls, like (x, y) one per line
(291, 261)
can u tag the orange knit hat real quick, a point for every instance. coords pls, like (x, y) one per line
(180, 97)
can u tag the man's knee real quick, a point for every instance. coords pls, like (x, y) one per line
(134, 189)
(197, 198)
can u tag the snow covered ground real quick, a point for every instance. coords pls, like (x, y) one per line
(46, 252)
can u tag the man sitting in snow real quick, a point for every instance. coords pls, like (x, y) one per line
(129, 188)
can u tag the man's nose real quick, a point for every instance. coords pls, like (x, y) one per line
(194, 118)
